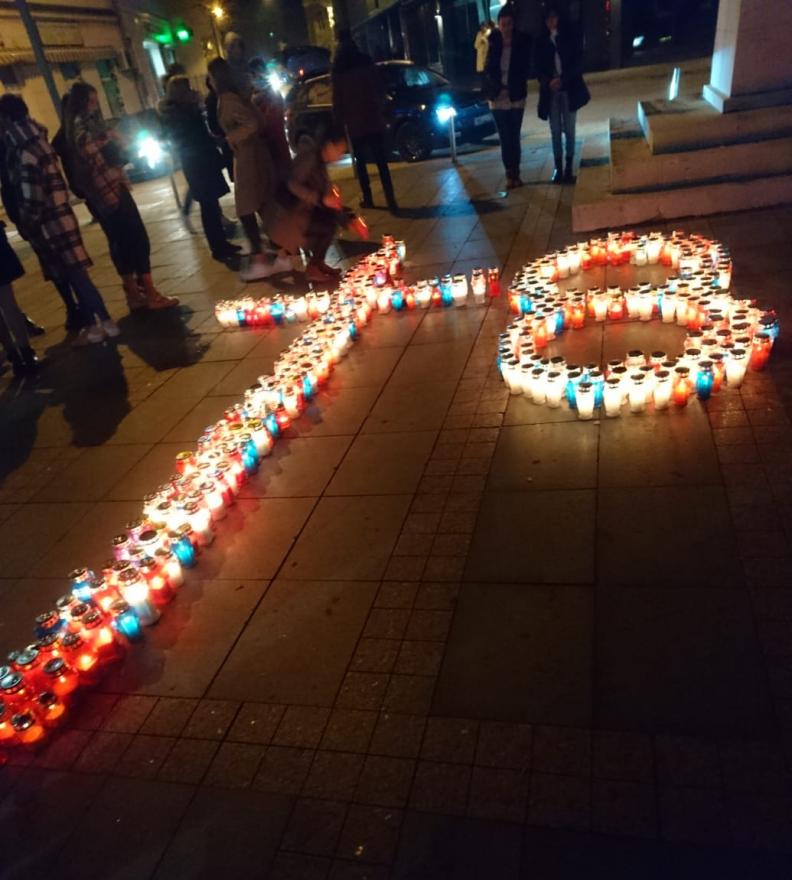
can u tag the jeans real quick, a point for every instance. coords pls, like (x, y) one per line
(371, 148)
(130, 249)
(91, 303)
(562, 120)
(509, 124)
(212, 222)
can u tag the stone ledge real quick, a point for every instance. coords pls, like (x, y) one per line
(678, 126)
(634, 168)
(595, 207)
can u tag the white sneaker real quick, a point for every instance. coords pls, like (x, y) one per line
(111, 328)
(255, 271)
(282, 263)
(89, 336)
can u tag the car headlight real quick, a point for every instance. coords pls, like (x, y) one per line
(445, 112)
(150, 150)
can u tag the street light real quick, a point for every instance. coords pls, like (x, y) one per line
(217, 11)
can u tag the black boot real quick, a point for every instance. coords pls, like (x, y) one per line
(33, 328)
(21, 362)
(569, 177)
(30, 361)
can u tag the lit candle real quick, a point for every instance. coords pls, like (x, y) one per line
(637, 393)
(646, 303)
(50, 709)
(80, 656)
(662, 389)
(59, 677)
(125, 621)
(760, 351)
(554, 386)
(135, 592)
(635, 359)
(182, 545)
(600, 306)
(585, 400)
(29, 730)
(736, 367)
(682, 386)
(705, 379)
(538, 390)
(47, 623)
(613, 396)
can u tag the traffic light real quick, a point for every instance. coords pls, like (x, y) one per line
(183, 33)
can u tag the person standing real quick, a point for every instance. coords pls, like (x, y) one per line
(185, 126)
(236, 57)
(506, 72)
(96, 160)
(359, 106)
(562, 91)
(254, 171)
(46, 219)
(13, 331)
(74, 318)
(481, 44)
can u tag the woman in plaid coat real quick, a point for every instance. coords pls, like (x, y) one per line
(46, 219)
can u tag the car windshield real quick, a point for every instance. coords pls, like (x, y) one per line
(413, 77)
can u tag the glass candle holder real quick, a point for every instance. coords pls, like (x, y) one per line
(761, 347)
(493, 282)
(135, 592)
(7, 732)
(554, 388)
(29, 730)
(637, 392)
(736, 367)
(100, 635)
(612, 397)
(48, 622)
(538, 390)
(80, 655)
(682, 386)
(182, 545)
(662, 389)
(705, 379)
(200, 522)
(50, 709)
(585, 400)
(60, 678)
(125, 622)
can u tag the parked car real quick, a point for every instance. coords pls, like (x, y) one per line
(303, 62)
(419, 103)
(146, 151)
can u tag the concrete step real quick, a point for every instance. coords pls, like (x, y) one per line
(594, 206)
(692, 124)
(634, 168)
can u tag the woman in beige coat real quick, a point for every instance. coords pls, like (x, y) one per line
(254, 171)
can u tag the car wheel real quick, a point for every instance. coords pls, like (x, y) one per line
(413, 142)
(306, 141)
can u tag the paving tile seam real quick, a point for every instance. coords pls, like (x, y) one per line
(308, 517)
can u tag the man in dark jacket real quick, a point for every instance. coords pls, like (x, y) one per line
(358, 106)
(562, 92)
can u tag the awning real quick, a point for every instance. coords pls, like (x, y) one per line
(58, 54)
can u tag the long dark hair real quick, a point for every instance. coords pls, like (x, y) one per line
(75, 104)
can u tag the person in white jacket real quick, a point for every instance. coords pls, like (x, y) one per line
(481, 44)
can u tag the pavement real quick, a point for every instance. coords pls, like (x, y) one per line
(444, 633)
